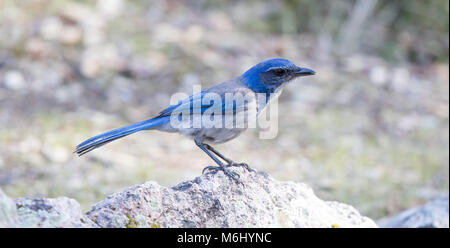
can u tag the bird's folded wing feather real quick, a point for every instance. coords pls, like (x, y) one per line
(202, 101)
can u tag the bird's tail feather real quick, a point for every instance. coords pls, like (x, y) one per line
(104, 138)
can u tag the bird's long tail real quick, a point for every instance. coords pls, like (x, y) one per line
(104, 138)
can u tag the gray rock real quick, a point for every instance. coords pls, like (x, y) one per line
(14, 80)
(8, 214)
(212, 200)
(433, 214)
(45, 212)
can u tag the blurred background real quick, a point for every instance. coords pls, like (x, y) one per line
(371, 129)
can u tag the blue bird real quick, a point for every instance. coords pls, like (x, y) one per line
(265, 78)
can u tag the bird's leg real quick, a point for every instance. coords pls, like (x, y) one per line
(230, 162)
(231, 174)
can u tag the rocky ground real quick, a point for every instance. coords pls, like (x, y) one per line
(211, 200)
(433, 214)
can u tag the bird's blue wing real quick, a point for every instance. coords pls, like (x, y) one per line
(192, 105)
(200, 102)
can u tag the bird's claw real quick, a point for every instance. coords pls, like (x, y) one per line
(210, 168)
(229, 173)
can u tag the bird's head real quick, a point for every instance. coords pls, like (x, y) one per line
(269, 75)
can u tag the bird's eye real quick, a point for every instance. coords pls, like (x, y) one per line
(279, 72)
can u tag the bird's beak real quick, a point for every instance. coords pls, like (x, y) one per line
(301, 72)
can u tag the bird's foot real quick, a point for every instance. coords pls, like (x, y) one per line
(244, 165)
(229, 173)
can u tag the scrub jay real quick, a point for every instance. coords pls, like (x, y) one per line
(265, 78)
